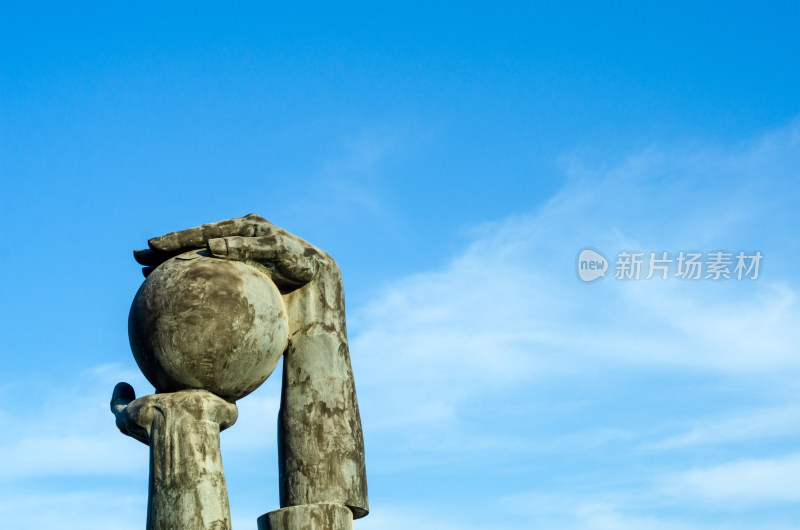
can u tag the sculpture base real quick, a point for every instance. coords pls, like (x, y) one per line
(323, 516)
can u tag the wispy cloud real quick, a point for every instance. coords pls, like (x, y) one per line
(510, 308)
(353, 183)
(89, 509)
(417, 517)
(72, 431)
(637, 508)
(772, 422)
(440, 350)
(740, 484)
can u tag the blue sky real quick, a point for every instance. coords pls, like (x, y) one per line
(454, 159)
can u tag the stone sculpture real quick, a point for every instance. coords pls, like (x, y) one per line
(220, 304)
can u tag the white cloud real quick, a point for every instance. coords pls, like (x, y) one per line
(416, 517)
(636, 508)
(603, 517)
(509, 310)
(772, 422)
(72, 431)
(351, 183)
(74, 510)
(101, 454)
(68, 443)
(740, 484)
(255, 429)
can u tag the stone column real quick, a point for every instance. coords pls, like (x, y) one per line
(321, 516)
(187, 487)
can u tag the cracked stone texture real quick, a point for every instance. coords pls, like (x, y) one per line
(187, 487)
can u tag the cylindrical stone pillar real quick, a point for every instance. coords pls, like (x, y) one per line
(322, 516)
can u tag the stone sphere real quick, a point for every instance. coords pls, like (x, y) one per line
(208, 323)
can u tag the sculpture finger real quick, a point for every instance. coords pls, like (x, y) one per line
(149, 257)
(249, 225)
(290, 257)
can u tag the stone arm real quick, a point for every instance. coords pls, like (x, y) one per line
(187, 482)
(320, 441)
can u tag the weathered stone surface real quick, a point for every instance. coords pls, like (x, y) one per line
(320, 442)
(190, 327)
(187, 482)
(323, 516)
(203, 322)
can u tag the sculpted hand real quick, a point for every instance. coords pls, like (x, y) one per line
(292, 261)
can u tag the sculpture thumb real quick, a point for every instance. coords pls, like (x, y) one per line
(122, 395)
